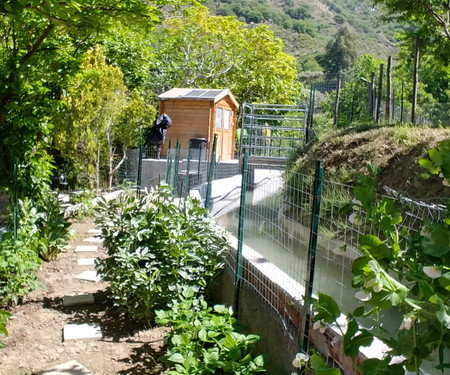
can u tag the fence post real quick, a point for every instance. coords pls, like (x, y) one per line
(313, 236)
(370, 102)
(139, 174)
(415, 80)
(380, 87)
(401, 105)
(240, 235)
(212, 167)
(188, 167)
(389, 98)
(16, 201)
(177, 162)
(168, 166)
(336, 101)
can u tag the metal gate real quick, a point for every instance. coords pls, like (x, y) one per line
(272, 131)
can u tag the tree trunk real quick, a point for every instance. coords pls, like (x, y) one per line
(415, 81)
(97, 165)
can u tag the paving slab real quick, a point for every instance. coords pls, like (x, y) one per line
(86, 248)
(86, 262)
(93, 239)
(79, 299)
(94, 231)
(89, 276)
(68, 368)
(84, 331)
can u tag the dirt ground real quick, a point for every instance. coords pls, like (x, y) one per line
(35, 341)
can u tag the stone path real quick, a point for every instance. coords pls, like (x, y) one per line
(81, 331)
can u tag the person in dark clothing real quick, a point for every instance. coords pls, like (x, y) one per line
(157, 134)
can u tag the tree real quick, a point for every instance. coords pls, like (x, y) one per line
(39, 40)
(200, 50)
(430, 16)
(99, 117)
(340, 53)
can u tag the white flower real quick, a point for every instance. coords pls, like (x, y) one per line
(300, 360)
(406, 323)
(340, 250)
(357, 204)
(376, 284)
(432, 272)
(363, 296)
(320, 326)
(445, 182)
(354, 218)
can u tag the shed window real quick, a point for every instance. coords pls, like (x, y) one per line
(226, 119)
(219, 118)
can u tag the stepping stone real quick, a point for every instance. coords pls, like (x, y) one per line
(93, 239)
(79, 299)
(89, 276)
(86, 262)
(85, 331)
(95, 231)
(86, 248)
(68, 368)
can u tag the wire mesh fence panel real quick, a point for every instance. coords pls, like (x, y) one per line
(277, 224)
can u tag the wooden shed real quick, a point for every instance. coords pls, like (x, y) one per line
(201, 113)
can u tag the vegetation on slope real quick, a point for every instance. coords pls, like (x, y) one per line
(393, 149)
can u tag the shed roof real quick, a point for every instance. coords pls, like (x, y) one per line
(198, 94)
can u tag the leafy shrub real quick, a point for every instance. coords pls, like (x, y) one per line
(19, 260)
(53, 229)
(205, 340)
(4, 315)
(398, 270)
(154, 248)
(83, 205)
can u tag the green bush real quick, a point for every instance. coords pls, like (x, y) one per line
(19, 260)
(155, 247)
(204, 340)
(53, 229)
(4, 315)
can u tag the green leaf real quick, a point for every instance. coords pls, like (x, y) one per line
(235, 354)
(352, 340)
(425, 163)
(327, 309)
(444, 281)
(359, 311)
(437, 244)
(380, 367)
(176, 358)
(202, 335)
(443, 315)
(259, 360)
(426, 288)
(229, 342)
(435, 156)
(374, 246)
(320, 367)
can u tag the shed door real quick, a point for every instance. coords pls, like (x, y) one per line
(224, 131)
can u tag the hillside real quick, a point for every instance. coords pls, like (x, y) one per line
(307, 25)
(395, 150)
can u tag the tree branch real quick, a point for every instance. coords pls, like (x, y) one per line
(440, 21)
(36, 45)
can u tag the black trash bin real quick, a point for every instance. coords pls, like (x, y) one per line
(198, 148)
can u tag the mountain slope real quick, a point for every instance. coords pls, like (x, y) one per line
(306, 26)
